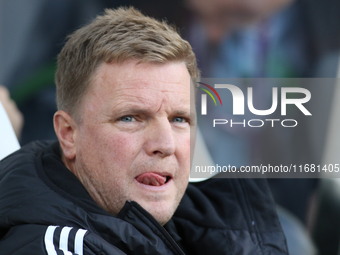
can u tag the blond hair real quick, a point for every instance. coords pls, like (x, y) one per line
(118, 35)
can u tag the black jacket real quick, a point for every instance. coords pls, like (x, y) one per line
(44, 209)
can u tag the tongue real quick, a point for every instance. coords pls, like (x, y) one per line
(152, 179)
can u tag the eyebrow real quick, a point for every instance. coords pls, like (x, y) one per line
(147, 111)
(182, 113)
(187, 114)
(135, 109)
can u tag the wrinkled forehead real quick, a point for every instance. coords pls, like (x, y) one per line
(132, 75)
(141, 82)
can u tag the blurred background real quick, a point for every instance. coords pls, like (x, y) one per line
(232, 39)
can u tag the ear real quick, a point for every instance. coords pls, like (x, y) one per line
(65, 129)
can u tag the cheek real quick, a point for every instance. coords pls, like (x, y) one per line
(106, 138)
(108, 147)
(121, 151)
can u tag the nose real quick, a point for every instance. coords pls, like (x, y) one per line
(160, 139)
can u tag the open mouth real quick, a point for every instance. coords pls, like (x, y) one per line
(153, 179)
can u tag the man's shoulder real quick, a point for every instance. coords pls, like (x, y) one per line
(239, 211)
(25, 196)
(52, 239)
(22, 163)
(27, 153)
(35, 214)
(21, 167)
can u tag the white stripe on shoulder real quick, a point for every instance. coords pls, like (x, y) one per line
(63, 243)
(48, 239)
(79, 240)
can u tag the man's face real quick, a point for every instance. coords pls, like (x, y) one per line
(133, 137)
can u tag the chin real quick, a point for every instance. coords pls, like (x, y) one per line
(162, 219)
(161, 212)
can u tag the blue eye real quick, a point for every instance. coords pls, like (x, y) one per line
(127, 119)
(179, 120)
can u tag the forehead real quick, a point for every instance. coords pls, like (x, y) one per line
(132, 78)
(132, 85)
